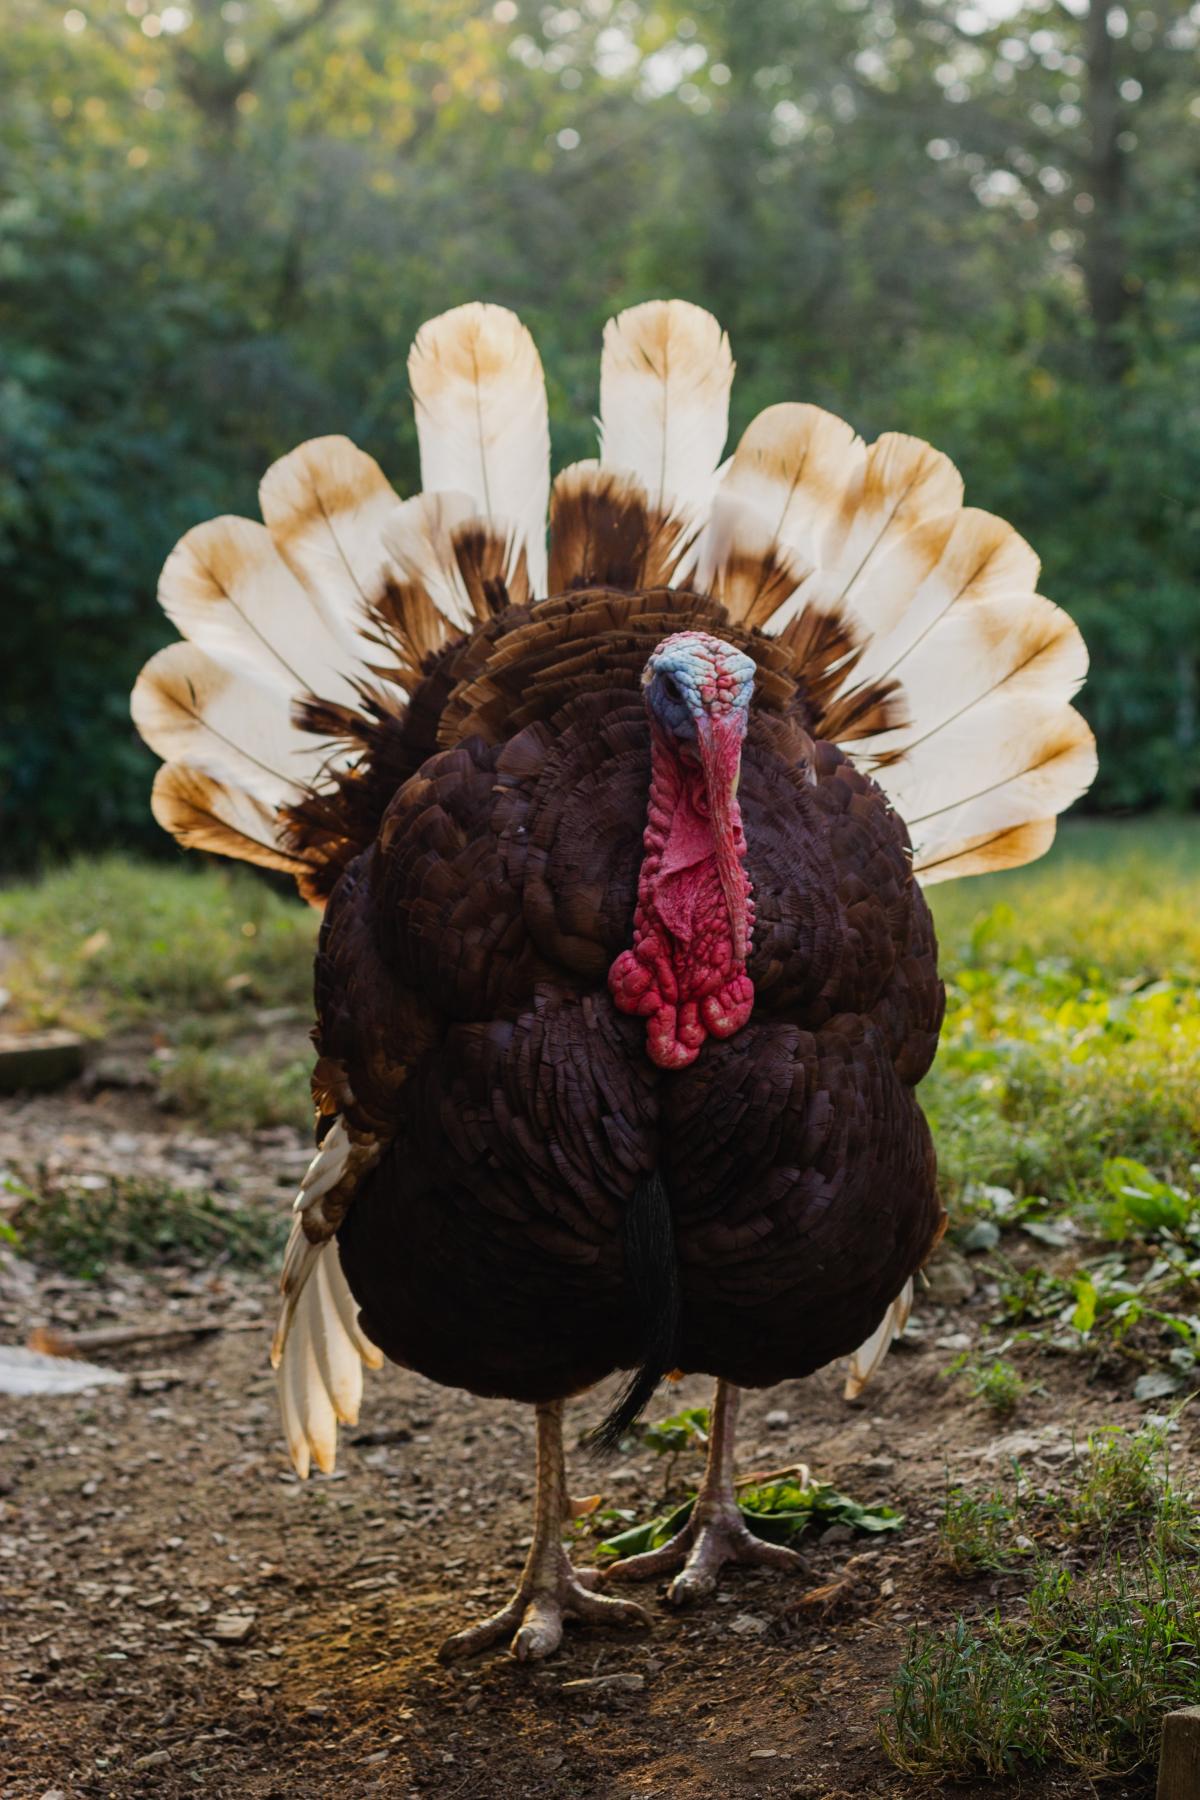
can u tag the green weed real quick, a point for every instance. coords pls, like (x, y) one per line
(779, 1511)
(1082, 1678)
(982, 1531)
(993, 1380)
(83, 1230)
(1082, 1674)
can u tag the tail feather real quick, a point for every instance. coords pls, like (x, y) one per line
(652, 1268)
(665, 375)
(912, 625)
(326, 505)
(954, 687)
(235, 727)
(205, 813)
(482, 422)
(605, 531)
(228, 590)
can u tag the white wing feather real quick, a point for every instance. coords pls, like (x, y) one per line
(868, 1357)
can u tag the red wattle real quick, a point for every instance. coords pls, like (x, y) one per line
(683, 975)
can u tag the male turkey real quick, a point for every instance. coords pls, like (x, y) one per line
(616, 1056)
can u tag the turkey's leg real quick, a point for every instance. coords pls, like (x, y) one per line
(715, 1533)
(550, 1589)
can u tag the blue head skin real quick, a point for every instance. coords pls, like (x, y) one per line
(698, 691)
(695, 683)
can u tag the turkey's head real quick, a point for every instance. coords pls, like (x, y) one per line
(686, 971)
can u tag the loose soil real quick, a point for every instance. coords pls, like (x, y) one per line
(136, 1519)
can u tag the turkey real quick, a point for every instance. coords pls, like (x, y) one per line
(625, 977)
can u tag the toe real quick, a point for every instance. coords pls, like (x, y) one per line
(651, 1562)
(692, 1584)
(479, 1637)
(773, 1556)
(541, 1633)
(604, 1609)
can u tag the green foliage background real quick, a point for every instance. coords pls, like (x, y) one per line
(222, 221)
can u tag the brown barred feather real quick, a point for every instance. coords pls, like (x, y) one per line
(605, 533)
(483, 558)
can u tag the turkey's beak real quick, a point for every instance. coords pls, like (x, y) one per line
(719, 742)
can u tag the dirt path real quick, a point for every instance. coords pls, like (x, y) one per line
(145, 1527)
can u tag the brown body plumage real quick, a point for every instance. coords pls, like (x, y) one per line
(463, 1004)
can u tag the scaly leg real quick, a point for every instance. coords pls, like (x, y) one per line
(550, 1589)
(716, 1533)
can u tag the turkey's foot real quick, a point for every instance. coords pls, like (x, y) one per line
(550, 1589)
(700, 1550)
(544, 1599)
(716, 1532)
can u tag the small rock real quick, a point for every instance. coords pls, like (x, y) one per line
(879, 1465)
(951, 1277)
(154, 1759)
(837, 1534)
(231, 1627)
(983, 1234)
(777, 1421)
(887, 1588)
(762, 1755)
(129, 1072)
(1156, 1385)
(748, 1625)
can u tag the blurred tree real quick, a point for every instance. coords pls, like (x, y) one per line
(222, 220)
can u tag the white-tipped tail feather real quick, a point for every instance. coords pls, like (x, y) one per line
(326, 505)
(236, 727)
(482, 425)
(420, 537)
(665, 375)
(868, 1357)
(982, 748)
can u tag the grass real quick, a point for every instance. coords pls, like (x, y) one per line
(199, 955)
(107, 942)
(1097, 1652)
(230, 1091)
(1072, 1030)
